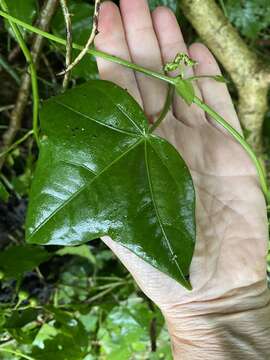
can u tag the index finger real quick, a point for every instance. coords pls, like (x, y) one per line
(111, 39)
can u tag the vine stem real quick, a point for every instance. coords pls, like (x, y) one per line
(17, 353)
(159, 76)
(32, 68)
(219, 119)
(93, 52)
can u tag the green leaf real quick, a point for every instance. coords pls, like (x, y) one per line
(172, 4)
(101, 173)
(18, 325)
(21, 183)
(4, 195)
(81, 27)
(185, 89)
(69, 341)
(82, 250)
(125, 331)
(18, 259)
(46, 332)
(19, 319)
(249, 16)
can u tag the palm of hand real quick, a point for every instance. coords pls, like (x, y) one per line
(230, 208)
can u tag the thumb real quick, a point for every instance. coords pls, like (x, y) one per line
(159, 287)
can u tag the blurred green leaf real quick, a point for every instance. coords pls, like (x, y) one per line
(70, 343)
(90, 320)
(18, 325)
(249, 16)
(81, 250)
(20, 318)
(74, 285)
(4, 195)
(21, 183)
(172, 4)
(125, 332)
(46, 332)
(18, 259)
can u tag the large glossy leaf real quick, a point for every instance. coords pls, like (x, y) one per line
(101, 172)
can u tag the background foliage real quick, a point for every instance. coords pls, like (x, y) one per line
(78, 302)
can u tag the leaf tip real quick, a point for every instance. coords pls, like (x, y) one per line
(187, 283)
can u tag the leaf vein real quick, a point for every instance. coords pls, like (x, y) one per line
(95, 120)
(119, 107)
(79, 166)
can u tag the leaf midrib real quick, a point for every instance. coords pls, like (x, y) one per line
(70, 108)
(156, 208)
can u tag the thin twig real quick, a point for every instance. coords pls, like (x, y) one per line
(24, 91)
(17, 353)
(49, 68)
(6, 107)
(102, 293)
(32, 69)
(8, 342)
(17, 143)
(153, 325)
(9, 107)
(14, 53)
(90, 41)
(67, 18)
(153, 334)
(5, 65)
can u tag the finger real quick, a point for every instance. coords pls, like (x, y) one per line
(171, 42)
(144, 50)
(158, 286)
(111, 39)
(214, 93)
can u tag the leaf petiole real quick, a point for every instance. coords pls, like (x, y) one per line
(165, 109)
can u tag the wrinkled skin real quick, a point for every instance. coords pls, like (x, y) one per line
(229, 264)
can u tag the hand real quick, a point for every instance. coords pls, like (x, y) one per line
(229, 265)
